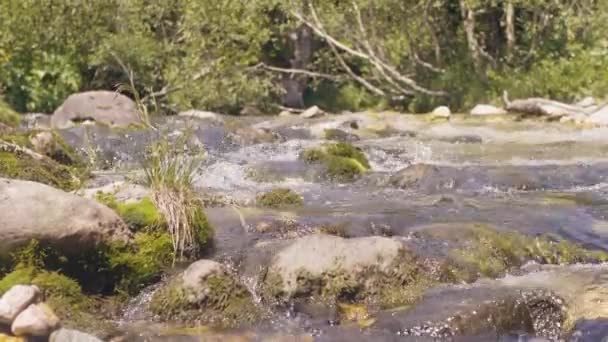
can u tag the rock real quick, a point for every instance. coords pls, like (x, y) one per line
(483, 109)
(42, 141)
(413, 175)
(124, 192)
(309, 259)
(193, 279)
(205, 292)
(312, 112)
(286, 113)
(36, 121)
(588, 101)
(36, 320)
(62, 220)
(106, 107)
(16, 300)
(442, 111)
(68, 335)
(599, 117)
(199, 114)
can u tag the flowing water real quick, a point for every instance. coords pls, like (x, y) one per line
(529, 176)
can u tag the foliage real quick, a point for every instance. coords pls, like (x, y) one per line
(383, 53)
(279, 197)
(169, 170)
(7, 115)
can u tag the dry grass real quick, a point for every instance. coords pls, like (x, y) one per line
(169, 169)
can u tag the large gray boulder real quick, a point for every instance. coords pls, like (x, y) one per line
(63, 220)
(107, 107)
(329, 259)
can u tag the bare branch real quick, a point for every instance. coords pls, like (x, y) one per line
(293, 71)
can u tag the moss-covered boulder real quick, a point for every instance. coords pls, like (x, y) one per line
(344, 162)
(62, 220)
(280, 197)
(206, 292)
(328, 268)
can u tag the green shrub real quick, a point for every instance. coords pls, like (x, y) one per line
(8, 116)
(280, 197)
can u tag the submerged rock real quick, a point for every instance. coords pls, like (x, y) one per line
(105, 107)
(414, 175)
(59, 219)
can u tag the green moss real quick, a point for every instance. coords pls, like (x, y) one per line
(8, 116)
(203, 231)
(19, 165)
(56, 148)
(483, 252)
(280, 197)
(227, 303)
(140, 264)
(137, 215)
(343, 161)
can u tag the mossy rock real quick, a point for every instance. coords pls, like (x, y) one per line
(8, 116)
(371, 270)
(480, 251)
(18, 164)
(47, 143)
(280, 197)
(344, 162)
(206, 293)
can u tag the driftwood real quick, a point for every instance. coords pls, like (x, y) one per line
(541, 106)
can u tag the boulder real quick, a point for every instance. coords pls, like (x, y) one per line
(599, 117)
(442, 111)
(312, 112)
(16, 300)
(68, 335)
(588, 101)
(199, 114)
(320, 258)
(106, 107)
(193, 279)
(59, 219)
(483, 109)
(35, 320)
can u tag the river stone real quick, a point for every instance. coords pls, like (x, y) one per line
(484, 109)
(36, 320)
(15, 300)
(312, 112)
(442, 111)
(68, 335)
(106, 107)
(318, 254)
(199, 114)
(62, 220)
(413, 175)
(193, 279)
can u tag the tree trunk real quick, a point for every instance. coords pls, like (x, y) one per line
(510, 29)
(468, 21)
(294, 84)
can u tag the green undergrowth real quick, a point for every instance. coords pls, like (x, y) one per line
(343, 161)
(280, 197)
(8, 116)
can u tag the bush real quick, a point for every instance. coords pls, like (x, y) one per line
(8, 116)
